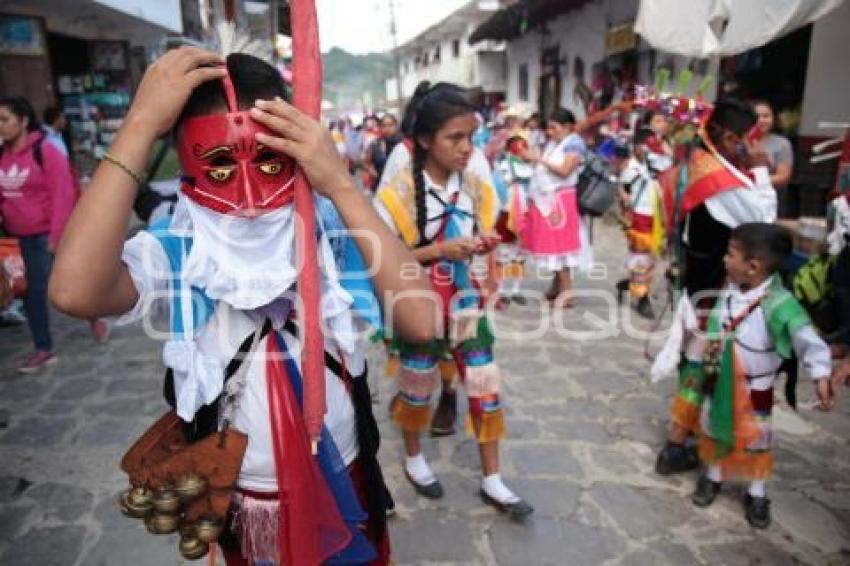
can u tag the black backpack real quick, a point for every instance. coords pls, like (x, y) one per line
(147, 200)
(597, 187)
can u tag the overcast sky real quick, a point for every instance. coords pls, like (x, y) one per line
(363, 26)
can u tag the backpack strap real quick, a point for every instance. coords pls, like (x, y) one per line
(336, 367)
(37, 153)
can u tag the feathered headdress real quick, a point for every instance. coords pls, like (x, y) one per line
(227, 39)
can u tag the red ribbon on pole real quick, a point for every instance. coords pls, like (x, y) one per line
(307, 97)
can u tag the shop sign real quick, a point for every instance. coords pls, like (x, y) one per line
(20, 35)
(620, 38)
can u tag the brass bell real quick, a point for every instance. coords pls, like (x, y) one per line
(166, 501)
(136, 502)
(188, 530)
(193, 548)
(209, 529)
(190, 486)
(162, 523)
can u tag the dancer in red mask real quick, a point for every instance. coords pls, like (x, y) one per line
(224, 272)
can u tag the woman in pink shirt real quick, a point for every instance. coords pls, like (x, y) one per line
(36, 197)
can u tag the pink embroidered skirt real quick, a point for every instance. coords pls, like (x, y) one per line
(554, 240)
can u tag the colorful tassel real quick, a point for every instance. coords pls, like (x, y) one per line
(411, 417)
(685, 411)
(257, 529)
(487, 427)
(740, 465)
(393, 366)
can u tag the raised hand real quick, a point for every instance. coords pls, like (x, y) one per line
(167, 85)
(305, 140)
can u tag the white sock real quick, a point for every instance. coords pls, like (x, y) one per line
(713, 473)
(418, 469)
(503, 284)
(495, 488)
(515, 287)
(757, 488)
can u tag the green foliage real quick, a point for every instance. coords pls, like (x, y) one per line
(348, 77)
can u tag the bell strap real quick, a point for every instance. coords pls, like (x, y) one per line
(336, 367)
(742, 316)
(230, 398)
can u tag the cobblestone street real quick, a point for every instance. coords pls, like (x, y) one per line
(584, 427)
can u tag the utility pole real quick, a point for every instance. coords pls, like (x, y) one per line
(396, 58)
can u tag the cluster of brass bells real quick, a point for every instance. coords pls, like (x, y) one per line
(161, 512)
(195, 538)
(711, 359)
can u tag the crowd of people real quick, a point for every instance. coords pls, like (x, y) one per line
(439, 189)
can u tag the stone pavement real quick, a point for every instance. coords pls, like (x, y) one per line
(584, 427)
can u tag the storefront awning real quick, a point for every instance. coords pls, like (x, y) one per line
(702, 28)
(137, 21)
(514, 20)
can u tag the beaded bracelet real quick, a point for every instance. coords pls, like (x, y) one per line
(115, 161)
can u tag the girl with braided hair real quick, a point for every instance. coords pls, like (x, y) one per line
(446, 214)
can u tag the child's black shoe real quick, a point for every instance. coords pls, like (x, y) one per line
(644, 308)
(706, 492)
(622, 289)
(675, 458)
(757, 511)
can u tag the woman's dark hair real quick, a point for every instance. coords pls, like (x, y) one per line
(390, 117)
(252, 79)
(562, 116)
(770, 243)
(21, 108)
(428, 109)
(51, 114)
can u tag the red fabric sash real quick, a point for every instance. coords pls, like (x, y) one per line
(707, 177)
(440, 273)
(310, 528)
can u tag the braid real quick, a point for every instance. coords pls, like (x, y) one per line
(429, 109)
(419, 155)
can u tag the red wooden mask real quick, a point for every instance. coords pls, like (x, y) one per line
(226, 170)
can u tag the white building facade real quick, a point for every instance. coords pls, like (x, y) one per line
(556, 64)
(443, 53)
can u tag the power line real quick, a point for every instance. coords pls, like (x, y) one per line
(396, 59)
